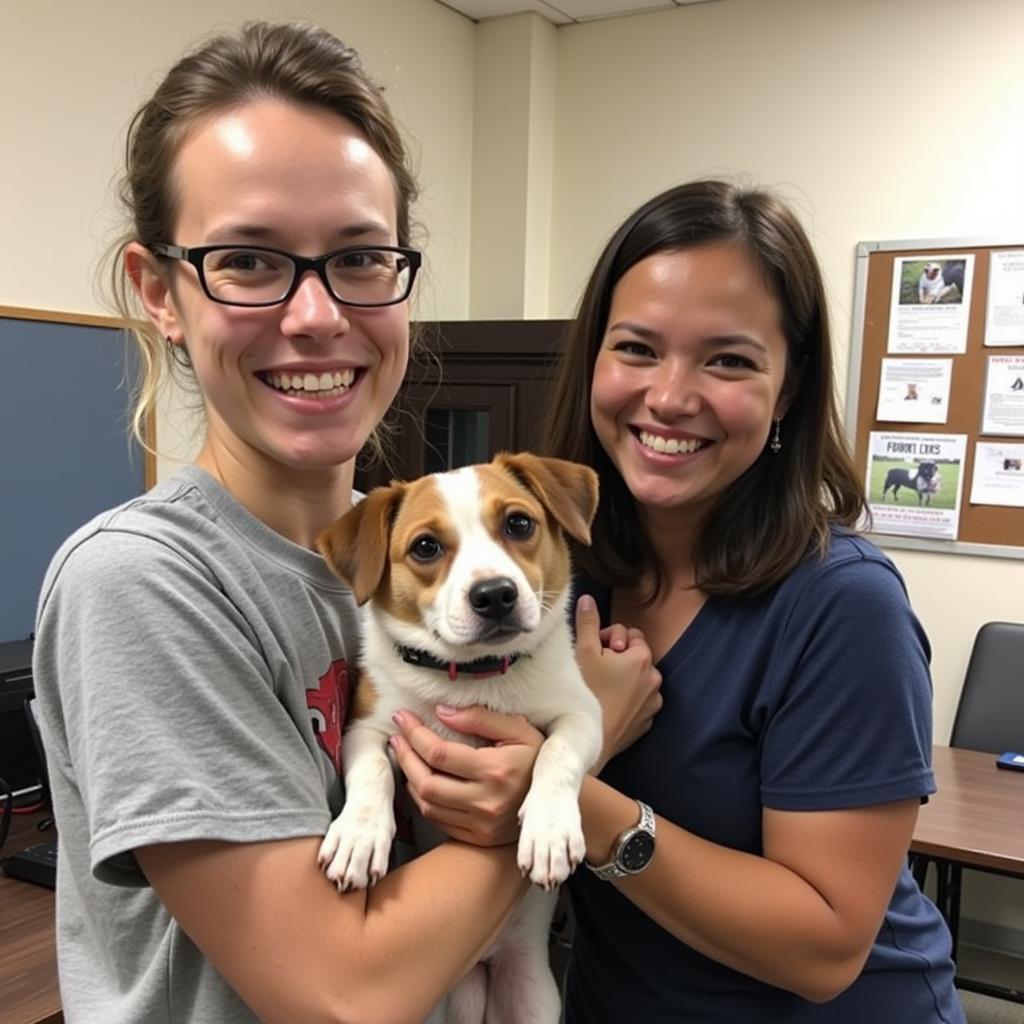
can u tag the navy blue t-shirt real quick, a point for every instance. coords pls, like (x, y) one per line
(815, 695)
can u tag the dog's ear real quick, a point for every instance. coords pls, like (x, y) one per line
(568, 490)
(356, 546)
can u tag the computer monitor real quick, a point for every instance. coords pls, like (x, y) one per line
(19, 761)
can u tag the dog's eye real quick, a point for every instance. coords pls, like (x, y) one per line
(426, 548)
(518, 525)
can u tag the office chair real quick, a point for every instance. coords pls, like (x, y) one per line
(990, 714)
(990, 718)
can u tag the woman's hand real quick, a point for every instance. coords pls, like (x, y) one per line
(617, 665)
(472, 793)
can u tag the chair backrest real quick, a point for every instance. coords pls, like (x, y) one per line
(990, 715)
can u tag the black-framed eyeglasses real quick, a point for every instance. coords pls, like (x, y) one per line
(253, 275)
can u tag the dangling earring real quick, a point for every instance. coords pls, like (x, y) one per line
(177, 353)
(776, 443)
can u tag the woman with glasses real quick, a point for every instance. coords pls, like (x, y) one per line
(192, 648)
(749, 853)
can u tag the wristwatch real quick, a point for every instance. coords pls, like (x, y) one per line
(633, 850)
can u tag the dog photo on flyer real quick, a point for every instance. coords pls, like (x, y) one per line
(914, 483)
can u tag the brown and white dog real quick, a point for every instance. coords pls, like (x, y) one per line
(464, 582)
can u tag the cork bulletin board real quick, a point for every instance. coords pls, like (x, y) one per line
(982, 528)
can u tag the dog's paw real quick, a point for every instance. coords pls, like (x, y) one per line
(355, 851)
(551, 841)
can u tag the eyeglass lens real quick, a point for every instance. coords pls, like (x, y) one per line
(365, 276)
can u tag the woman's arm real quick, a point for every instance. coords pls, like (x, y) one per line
(296, 950)
(801, 917)
(849, 694)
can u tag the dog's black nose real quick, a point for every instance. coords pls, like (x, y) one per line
(493, 598)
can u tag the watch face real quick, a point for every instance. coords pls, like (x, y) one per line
(637, 852)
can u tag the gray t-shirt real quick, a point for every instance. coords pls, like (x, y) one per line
(191, 670)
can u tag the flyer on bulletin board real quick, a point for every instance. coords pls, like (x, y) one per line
(998, 477)
(1004, 396)
(931, 304)
(914, 390)
(914, 483)
(1004, 311)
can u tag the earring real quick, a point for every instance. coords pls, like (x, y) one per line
(776, 443)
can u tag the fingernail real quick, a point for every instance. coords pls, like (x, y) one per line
(445, 710)
(393, 741)
(619, 645)
(398, 718)
(586, 603)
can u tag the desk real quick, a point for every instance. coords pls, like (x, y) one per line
(975, 820)
(28, 953)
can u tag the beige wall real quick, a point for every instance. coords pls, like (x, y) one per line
(880, 119)
(513, 158)
(72, 73)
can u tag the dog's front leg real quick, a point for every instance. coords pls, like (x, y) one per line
(551, 838)
(357, 846)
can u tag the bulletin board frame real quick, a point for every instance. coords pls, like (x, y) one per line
(984, 530)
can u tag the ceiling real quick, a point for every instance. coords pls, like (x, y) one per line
(561, 12)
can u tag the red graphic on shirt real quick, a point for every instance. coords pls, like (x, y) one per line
(329, 705)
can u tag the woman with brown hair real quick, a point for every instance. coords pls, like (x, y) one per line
(192, 647)
(749, 852)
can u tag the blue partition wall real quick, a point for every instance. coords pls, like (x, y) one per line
(65, 452)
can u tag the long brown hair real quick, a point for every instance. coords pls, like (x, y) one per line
(782, 507)
(296, 62)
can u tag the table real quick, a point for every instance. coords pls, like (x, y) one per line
(28, 953)
(975, 820)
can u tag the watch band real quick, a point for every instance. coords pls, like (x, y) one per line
(642, 832)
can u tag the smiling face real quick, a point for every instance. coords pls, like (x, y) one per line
(304, 180)
(688, 376)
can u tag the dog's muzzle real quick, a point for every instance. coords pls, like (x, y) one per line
(494, 599)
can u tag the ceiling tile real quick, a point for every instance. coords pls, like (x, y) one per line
(590, 10)
(562, 12)
(483, 9)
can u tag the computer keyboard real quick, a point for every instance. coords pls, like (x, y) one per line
(35, 864)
